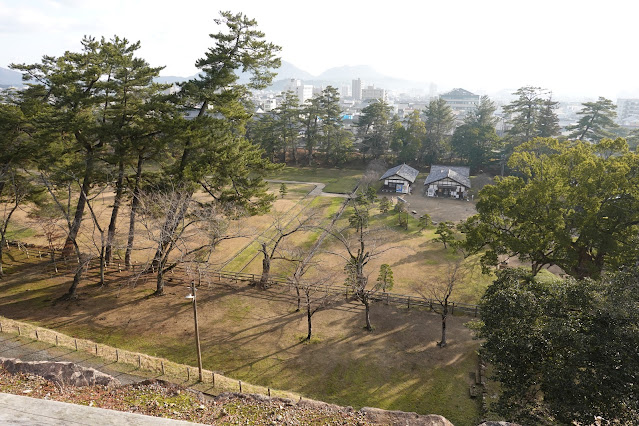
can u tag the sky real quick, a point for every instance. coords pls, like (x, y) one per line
(581, 48)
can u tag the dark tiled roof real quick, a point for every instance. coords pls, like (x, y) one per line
(407, 172)
(459, 174)
(458, 93)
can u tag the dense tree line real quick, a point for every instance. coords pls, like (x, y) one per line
(564, 351)
(94, 120)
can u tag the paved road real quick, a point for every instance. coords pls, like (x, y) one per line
(22, 410)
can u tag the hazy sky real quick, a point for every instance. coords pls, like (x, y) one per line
(580, 47)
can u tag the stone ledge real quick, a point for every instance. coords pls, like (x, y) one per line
(62, 373)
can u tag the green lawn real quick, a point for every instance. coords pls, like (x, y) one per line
(336, 180)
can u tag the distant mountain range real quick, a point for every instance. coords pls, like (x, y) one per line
(337, 77)
(9, 78)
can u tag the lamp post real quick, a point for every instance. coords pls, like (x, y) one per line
(197, 330)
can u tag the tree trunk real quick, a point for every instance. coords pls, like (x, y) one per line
(266, 268)
(119, 190)
(444, 315)
(72, 292)
(299, 298)
(2, 245)
(309, 315)
(135, 202)
(79, 211)
(102, 264)
(367, 304)
(159, 287)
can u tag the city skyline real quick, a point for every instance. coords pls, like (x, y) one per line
(572, 48)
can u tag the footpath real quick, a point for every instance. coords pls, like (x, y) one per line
(22, 410)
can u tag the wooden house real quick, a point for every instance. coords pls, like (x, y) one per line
(399, 179)
(448, 181)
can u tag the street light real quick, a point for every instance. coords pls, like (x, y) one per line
(197, 330)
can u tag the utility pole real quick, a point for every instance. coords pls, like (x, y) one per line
(197, 331)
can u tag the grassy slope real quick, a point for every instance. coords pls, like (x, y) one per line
(255, 336)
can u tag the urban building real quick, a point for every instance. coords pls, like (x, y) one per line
(628, 112)
(461, 101)
(303, 91)
(371, 92)
(357, 89)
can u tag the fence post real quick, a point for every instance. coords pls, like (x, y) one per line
(117, 356)
(139, 361)
(96, 349)
(162, 366)
(240, 382)
(36, 333)
(475, 311)
(76, 344)
(188, 374)
(269, 392)
(408, 302)
(56, 340)
(213, 378)
(19, 332)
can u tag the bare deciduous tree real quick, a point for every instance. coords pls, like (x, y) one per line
(456, 274)
(62, 194)
(15, 191)
(362, 245)
(270, 246)
(183, 228)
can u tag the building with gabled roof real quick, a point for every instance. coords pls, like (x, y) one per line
(461, 101)
(448, 181)
(399, 179)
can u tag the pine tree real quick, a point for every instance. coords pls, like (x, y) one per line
(596, 120)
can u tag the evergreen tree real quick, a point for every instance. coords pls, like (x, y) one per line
(547, 121)
(211, 150)
(597, 118)
(439, 124)
(413, 137)
(374, 129)
(476, 140)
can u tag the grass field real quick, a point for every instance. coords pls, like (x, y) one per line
(341, 181)
(254, 336)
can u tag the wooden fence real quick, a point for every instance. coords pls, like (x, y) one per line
(408, 301)
(151, 366)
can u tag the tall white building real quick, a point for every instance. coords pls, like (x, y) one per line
(628, 112)
(303, 91)
(357, 89)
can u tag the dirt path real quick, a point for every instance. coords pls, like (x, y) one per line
(317, 191)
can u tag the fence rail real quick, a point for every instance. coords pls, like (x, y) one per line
(155, 366)
(408, 301)
(389, 298)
